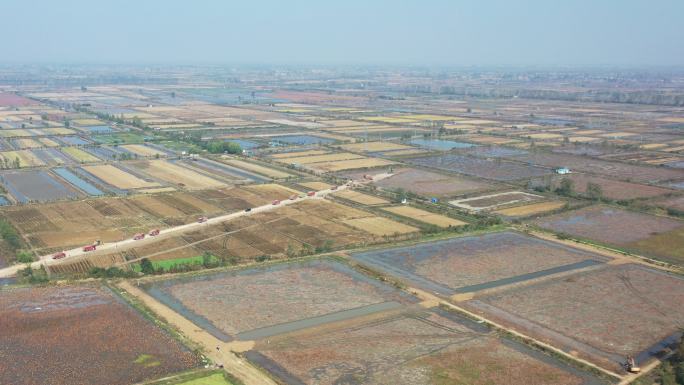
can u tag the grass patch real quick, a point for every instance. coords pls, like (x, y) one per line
(168, 264)
(119, 138)
(147, 361)
(202, 377)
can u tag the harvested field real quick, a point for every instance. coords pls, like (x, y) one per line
(424, 216)
(281, 155)
(643, 233)
(35, 186)
(349, 164)
(316, 185)
(468, 264)
(375, 147)
(380, 226)
(483, 168)
(493, 201)
(413, 348)
(304, 160)
(143, 150)
(533, 209)
(118, 178)
(80, 155)
(178, 175)
(277, 233)
(26, 158)
(28, 143)
(81, 335)
(361, 198)
(614, 189)
(431, 184)
(604, 315)
(257, 303)
(263, 170)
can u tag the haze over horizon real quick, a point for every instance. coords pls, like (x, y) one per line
(443, 33)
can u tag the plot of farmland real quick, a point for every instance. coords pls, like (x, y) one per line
(118, 178)
(533, 209)
(293, 154)
(303, 160)
(80, 155)
(263, 170)
(26, 158)
(257, 303)
(424, 216)
(614, 189)
(605, 314)
(349, 164)
(647, 234)
(174, 174)
(35, 186)
(431, 184)
(63, 225)
(380, 226)
(361, 198)
(375, 146)
(493, 201)
(483, 168)
(315, 185)
(416, 348)
(616, 170)
(143, 150)
(81, 335)
(475, 263)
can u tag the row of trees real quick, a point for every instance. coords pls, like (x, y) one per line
(671, 372)
(216, 147)
(8, 163)
(566, 187)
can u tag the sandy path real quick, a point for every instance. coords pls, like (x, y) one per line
(232, 364)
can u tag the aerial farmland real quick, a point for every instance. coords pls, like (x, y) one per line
(207, 225)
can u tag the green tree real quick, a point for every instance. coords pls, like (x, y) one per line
(567, 187)
(667, 375)
(146, 266)
(594, 191)
(24, 257)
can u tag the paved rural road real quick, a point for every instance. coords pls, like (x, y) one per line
(165, 233)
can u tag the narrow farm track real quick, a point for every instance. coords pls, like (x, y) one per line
(225, 355)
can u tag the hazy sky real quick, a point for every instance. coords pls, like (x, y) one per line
(458, 33)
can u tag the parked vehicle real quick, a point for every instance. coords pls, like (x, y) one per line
(59, 255)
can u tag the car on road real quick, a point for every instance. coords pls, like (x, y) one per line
(59, 255)
(139, 236)
(89, 248)
(248, 209)
(154, 232)
(276, 202)
(201, 219)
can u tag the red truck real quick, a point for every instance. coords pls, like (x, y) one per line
(139, 236)
(276, 202)
(154, 232)
(59, 255)
(89, 248)
(311, 193)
